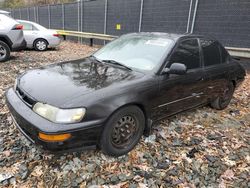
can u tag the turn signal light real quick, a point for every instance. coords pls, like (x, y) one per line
(54, 137)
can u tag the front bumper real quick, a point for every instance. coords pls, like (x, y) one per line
(84, 135)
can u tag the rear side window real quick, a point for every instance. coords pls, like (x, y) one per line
(211, 52)
(187, 53)
(27, 26)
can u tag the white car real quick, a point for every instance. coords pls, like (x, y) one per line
(39, 37)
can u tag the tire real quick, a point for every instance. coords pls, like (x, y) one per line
(4, 52)
(122, 131)
(41, 45)
(223, 101)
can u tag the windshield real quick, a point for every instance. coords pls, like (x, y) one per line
(142, 52)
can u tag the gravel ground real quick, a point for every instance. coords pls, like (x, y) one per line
(199, 148)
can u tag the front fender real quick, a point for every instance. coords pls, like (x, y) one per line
(103, 103)
(104, 109)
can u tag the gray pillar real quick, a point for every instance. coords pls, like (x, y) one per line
(194, 17)
(141, 15)
(63, 14)
(49, 16)
(189, 15)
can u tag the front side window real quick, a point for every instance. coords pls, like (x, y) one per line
(27, 26)
(211, 52)
(187, 53)
(143, 52)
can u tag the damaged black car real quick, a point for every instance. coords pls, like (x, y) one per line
(110, 99)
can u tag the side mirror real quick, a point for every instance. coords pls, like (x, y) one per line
(176, 68)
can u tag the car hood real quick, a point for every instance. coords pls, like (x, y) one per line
(60, 83)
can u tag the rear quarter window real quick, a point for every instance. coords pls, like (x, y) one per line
(211, 52)
(27, 26)
(224, 54)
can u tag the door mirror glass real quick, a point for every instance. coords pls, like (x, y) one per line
(176, 68)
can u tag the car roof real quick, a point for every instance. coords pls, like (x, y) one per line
(157, 34)
(173, 36)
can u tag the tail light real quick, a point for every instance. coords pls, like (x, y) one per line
(56, 35)
(18, 27)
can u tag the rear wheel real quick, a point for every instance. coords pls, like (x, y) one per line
(4, 52)
(41, 45)
(223, 101)
(122, 131)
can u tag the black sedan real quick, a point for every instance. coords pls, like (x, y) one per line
(111, 98)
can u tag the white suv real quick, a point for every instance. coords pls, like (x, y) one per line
(11, 36)
(4, 12)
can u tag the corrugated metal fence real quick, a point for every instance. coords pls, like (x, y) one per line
(226, 20)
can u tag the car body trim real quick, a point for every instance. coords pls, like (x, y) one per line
(193, 95)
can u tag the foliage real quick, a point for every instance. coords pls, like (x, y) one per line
(13, 3)
(23, 3)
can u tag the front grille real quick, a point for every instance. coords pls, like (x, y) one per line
(25, 132)
(24, 126)
(25, 98)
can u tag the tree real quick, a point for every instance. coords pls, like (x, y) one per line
(13, 3)
(25, 3)
(42, 2)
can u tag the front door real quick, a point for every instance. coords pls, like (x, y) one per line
(181, 92)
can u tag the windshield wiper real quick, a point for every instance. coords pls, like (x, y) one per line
(116, 63)
(96, 59)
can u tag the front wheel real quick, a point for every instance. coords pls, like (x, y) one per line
(4, 52)
(222, 101)
(122, 131)
(41, 45)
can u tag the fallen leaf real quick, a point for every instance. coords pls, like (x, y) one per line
(228, 175)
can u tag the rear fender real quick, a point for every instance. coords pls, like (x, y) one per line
(6, 39)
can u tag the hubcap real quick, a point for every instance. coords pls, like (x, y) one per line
(41, 45)
(124, 131)
(3, 52)
(227, 95)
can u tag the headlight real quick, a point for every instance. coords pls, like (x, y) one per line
(59, 115)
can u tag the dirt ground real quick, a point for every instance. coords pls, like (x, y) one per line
(199, 148)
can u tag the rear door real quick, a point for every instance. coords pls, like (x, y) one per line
(30, 33)
(181, 92)
(216, 67)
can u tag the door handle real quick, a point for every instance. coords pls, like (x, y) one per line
(200, 79)
(197, 94)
